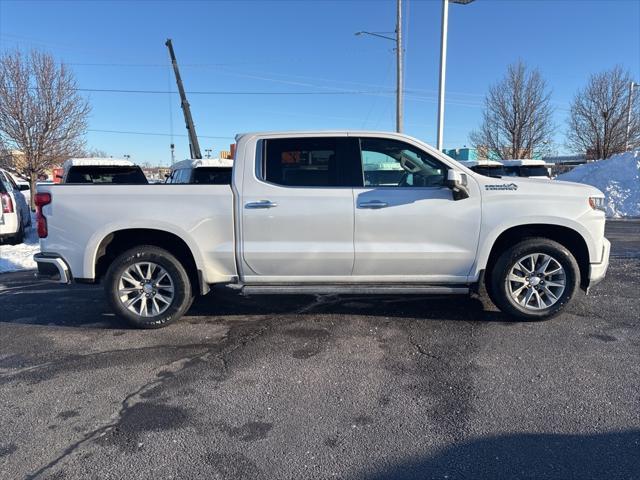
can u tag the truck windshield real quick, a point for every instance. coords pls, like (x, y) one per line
(534, 171)
(489, 171)
(106, 174)
(212, 175)
(525, 171)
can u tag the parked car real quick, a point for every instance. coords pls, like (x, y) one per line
(488, 168)
(304, 216)
(15, 214)
(206, 171)
(102, 170)
(527, 168)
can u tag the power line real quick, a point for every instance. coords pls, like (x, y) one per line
(164, 92)
(128, 132)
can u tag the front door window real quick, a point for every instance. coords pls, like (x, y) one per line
(392, 163)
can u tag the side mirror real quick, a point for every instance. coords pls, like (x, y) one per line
(457, 182)
(23, 187)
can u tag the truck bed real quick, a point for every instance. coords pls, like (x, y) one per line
(80, 217)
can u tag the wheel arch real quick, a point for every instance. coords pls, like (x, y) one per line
(568, 237)
(118, 241)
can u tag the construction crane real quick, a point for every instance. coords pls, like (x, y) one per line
(194, 146)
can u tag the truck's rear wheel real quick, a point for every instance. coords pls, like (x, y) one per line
(148, 287)
(535, 279)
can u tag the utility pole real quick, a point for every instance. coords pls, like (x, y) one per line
(629, 108)
(399, 69)
(194, 146)
(399, 65)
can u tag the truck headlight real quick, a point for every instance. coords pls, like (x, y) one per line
(597, 203)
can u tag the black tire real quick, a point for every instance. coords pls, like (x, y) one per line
(182, 293)
(499, 284)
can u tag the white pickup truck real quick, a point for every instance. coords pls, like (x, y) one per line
(327, 212)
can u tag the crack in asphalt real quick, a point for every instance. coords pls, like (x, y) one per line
(127, 403)
(234, 340)
(422, 351)
(78, 357)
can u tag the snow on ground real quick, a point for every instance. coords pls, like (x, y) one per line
(618, 177)
(20, 257)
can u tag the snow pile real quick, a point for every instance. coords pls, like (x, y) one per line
(618, 177)
(20, 257)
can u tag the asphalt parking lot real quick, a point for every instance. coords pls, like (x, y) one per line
(322, 387)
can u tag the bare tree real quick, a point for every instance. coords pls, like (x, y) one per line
(94, 153)
(599, 114)
(516, 122)
(42, 117)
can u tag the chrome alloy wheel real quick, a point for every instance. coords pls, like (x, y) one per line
(146, 289)
(536, 281)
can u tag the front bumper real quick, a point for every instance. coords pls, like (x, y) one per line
(597, 271)
(52, 267)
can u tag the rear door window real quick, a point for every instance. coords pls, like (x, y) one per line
(312, 162)
(212, 175)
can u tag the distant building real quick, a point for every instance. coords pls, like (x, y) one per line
(462, 154)
(473, 154)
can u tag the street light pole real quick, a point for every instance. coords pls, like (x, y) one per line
(443, 65)
(399, 69)
(443, 71)
(629, 108)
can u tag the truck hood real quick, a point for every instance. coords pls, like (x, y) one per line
(539, 186)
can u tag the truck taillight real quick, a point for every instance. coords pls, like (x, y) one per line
(41, 200)
(7, 203)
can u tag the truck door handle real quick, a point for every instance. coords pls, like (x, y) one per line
(261, 204)
(374, 204)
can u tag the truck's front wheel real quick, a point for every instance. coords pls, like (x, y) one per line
(534, 279)
(148, 287)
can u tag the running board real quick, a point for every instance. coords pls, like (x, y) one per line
(347, 289)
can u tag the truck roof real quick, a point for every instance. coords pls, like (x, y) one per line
(92, 161)
(481, 163)
(524, 162)
(203, 162)
(318, 133)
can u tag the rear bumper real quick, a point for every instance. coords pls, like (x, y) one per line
(52, 267)
(597, 271)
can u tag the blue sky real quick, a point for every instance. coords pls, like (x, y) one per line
(303, 46)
